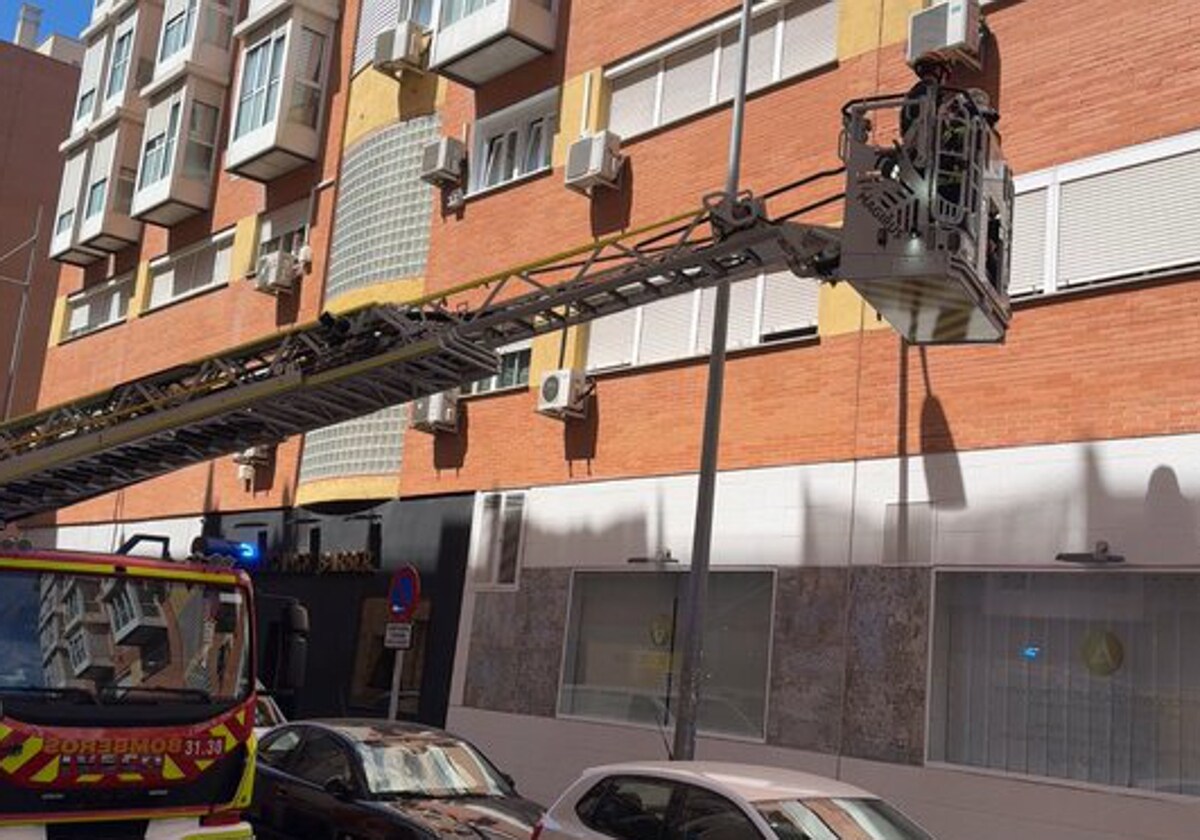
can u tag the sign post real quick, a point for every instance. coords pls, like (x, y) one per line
(404, 595)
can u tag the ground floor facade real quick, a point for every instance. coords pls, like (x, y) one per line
(901, 623)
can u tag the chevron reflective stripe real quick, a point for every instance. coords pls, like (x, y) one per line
(29, 748)
(171, 771)
(222, 731)
(48, 773)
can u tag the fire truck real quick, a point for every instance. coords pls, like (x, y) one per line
(127, 695)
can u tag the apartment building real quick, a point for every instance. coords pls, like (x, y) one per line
(887, 604)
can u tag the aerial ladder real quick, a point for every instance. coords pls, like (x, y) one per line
(924, 239)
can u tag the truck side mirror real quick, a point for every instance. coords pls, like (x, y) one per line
(294, 648)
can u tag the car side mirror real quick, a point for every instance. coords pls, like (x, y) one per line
(508, 780)
(339, 789)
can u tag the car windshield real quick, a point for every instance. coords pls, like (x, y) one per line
(440, 768)
(838, 819)
(120, 641)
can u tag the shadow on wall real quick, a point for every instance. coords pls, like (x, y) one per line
(580, 436)
(450, 448)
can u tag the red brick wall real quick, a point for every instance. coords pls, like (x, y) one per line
(222, 318)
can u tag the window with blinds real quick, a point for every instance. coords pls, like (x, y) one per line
(771, 307)
(98, 307)
(306, 87)
(374, 17)
(73, 176)
(501, 518)
(1121, 216)
(192, 271)
(1083, 676)
(699, 69)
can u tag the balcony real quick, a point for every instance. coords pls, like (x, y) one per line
(64, 242)
(136, 614)
(196, 39)
(91, 655)
(179, 152)
(106, 224)
(261, 11)
(50, 640)
(128, 66)
(479, 40)
(280, 101)
(81, 605)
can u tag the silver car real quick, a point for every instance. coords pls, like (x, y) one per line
(714, 801)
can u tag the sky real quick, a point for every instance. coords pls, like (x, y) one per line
(67, 17)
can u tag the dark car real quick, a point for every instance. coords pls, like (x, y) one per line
(371, 779)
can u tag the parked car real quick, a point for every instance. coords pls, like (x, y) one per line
(374, 779)
(700, 800)
(267, 713)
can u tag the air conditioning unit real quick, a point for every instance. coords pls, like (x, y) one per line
(401, 48)
(436, 412)
(563, 393)
(442, 162)
(255, 456)
(276, 273)
(594, 161)
(949, 31)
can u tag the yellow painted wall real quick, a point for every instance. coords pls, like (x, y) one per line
(575, 97)
(357, 487)
(141, 290)
(378, 100)
(391, 291)
(58, 321)
(864, 25)
(245, 247)
(548, 348)
(840, 310)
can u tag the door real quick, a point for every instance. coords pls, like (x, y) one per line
(310, 811)
(277, 750)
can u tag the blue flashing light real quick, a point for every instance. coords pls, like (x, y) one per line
(243, 554)
(1031, 653)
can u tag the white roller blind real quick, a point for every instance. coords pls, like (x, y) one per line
(221, 264)
(1134, 220)
(375, 16)
(666, 329)
(762, 56)
(102, 157)
(743, 302)
(789, 302)
(687, 81)
(632, 108)
(162, 284)
(809, 35)
(1028, 242)
(173, 8)
(93, 64)
(72, 181)
(610, 340)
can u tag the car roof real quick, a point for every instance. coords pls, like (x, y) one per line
(751, 782)
(367, 730)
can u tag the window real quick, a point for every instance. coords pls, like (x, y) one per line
(177, 34)
(699, 69)
(200, 153)
(631, 809)
(192, 271)
(321, 760)
(515, 142)
(65, 220)
(814, 819)
(218, 23)
(621, 659)
(501, 517)
(77, 650)
(283, 230)
(73, 607)
(1115, 217)
(95, 199)
(455, 10)
(772, 307)
(120, 64)
(514, 370)
(261, 77)
(158, 155)
(87, 100)
(705, 815)
(278, 747)
(96, 308)
(1087, 676)
(306, 90)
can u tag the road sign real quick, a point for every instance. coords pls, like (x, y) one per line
(404, 594)
(398, 635)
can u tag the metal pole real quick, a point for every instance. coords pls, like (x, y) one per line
(394, 700)
(10, 385)
(691, 668)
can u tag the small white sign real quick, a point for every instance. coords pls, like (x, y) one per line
(398, 636)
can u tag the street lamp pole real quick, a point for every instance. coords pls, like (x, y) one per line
(10, 384)
(691, 668)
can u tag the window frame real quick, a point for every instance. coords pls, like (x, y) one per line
(487, 545)
(310, 89)
(194, 140)
(218, 241)
(187, 18)
(120, 287)
(270, 56)
(167, 143)
(1052, 179)
(119, 61)
(505, 134)
(512, 353)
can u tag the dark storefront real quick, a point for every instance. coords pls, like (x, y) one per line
(338, 562)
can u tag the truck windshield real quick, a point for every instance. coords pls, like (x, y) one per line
(120, 642)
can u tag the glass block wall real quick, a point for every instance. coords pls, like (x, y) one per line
(384, 210)
(371, 445)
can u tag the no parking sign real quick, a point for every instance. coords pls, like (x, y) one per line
(404, 594)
